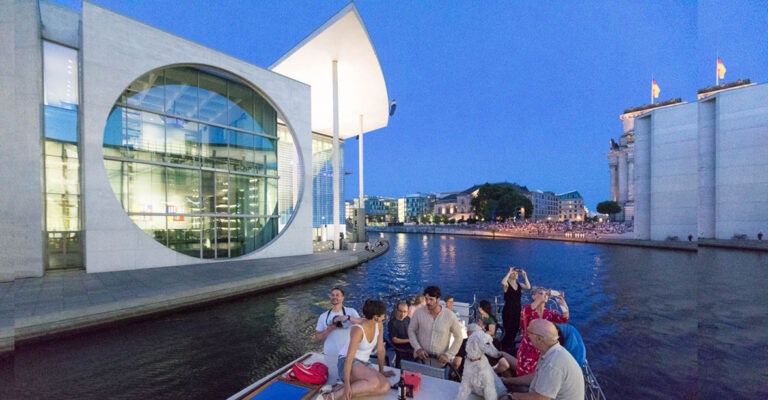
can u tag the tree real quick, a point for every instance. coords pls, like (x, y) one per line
(452, 221)
(608, 207)
(425, 219)
(499, 201)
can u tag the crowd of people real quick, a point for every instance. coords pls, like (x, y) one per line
(429, 331)
(557, 228)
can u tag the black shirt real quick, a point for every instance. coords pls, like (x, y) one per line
(399, 329)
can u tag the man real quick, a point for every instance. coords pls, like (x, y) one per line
(449, 302)
(333, 325)
(398, 333)
(431, 329)
(557, 376)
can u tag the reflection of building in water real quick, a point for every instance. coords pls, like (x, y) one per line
(699, 169)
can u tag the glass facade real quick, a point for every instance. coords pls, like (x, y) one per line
(322, 177)
(63, 230)
(192, 156)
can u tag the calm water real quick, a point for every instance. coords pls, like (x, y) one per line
(658, 324)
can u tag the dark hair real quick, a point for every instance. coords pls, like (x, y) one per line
(372, 308)
(485, 305)
(339, 289)
(432, 291)
(560, 337)
(447, 297)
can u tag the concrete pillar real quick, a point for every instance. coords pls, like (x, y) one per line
(642, 169)
(623, 178)
(336, 172)
(631, 177)
(21, 122)
(614, 184)
(707, 126)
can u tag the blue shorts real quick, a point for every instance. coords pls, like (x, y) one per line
(343, 360)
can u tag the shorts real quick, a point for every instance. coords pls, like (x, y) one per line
(343, 360)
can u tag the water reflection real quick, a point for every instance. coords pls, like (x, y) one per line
(637, 309)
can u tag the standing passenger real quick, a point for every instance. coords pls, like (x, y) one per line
(418, 302)
(510, 314)
(431, 329)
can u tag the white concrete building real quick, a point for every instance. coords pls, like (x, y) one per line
(570, 206)
(158, 151)
(701, 169)
(545, 205)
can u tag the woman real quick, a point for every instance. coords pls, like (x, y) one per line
(489, 319)
(527, 354)
(511, 310)
(418, 302)
(359, 379)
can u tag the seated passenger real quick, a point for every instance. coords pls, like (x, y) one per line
(333, 325)
(398, 333)
(359, 379)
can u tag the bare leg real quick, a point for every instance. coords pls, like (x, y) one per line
(365, 382)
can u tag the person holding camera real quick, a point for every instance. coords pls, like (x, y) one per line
(333, 325)
(528, 354)
(510, 314)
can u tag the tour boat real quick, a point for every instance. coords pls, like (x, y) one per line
(434, 382)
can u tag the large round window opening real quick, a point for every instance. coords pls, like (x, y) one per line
(201, 162)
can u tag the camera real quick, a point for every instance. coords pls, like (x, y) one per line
(339, 324)
(554, 293)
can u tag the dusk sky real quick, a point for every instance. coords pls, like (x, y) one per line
(526, 91)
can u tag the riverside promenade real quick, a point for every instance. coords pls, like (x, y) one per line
(684, 245)
(68, 301)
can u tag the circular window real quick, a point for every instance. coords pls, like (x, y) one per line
(192, 155)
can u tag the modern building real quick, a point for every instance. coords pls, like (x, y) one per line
(701, 168)
(418, 205)
(545, 205)
(570, 206)
(129, 147)
(380, 209)
(621, 161)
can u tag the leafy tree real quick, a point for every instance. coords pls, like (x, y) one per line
(608, 207)
(425, 219)
(499, 201)
(452, 221)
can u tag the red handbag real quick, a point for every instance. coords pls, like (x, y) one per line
(314, 374)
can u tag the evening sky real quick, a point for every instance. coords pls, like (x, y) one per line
(525, 91)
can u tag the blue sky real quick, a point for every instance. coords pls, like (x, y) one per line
(488, 91)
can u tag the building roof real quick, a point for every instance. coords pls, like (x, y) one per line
(570, 195)
(362, 89)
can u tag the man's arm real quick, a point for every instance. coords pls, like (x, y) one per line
(519, 380)
(322, 330)
(412, 328)
(457, 339)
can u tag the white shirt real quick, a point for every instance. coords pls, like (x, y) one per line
(340, 336)
(365, 348)
(558, 375)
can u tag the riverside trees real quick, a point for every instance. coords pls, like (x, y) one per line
(499, 201)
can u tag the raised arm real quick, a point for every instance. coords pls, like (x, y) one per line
(526, 285)
(564, 315)
(505, 281)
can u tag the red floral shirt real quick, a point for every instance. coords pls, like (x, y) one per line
(528, 354)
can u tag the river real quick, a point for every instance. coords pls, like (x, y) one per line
(657, 323)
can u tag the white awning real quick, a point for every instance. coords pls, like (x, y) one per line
(362, 89)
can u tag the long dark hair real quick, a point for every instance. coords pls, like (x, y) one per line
(485, 305)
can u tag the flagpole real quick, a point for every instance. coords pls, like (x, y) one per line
(717, 73)
(651, 88)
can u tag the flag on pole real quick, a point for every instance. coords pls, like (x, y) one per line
(655, 89)
(720, 68)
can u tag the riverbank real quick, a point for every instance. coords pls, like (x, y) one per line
(752, 245)
(65, 302)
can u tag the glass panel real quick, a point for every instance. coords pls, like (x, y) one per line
(62, 212)
(222, 240)
(240, 107)
(222, 193)
(213, 99)
(237, 237)
(183, 191)
(241, 154)
(181, 92)
(146, 188)
(266, 117)
(61, 124)
(184, 234)
(144, 136)
(263, 230)
(271, 200)
(113, 133)
(182, 141)
(146, 92)
(209, 191)
(60, 73)
(214, 147)
(290, 179)
(153, 226)
(64, 249)
(116, 181)
(266, 155)
(209, 238)
(243, 195)
(62, 173)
